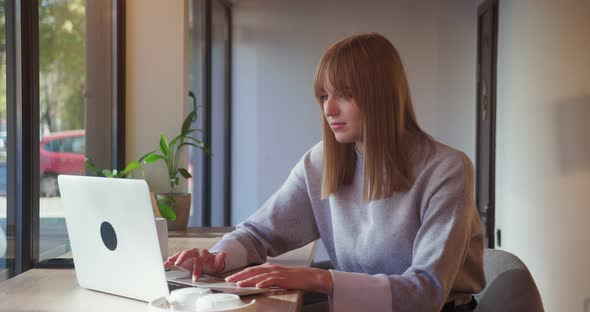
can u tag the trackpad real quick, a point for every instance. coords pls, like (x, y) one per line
(214, 283)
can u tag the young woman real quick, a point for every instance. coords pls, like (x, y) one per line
(394, 208)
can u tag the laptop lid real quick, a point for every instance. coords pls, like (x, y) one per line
(113, 236)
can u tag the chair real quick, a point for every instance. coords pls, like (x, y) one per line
(510, 285)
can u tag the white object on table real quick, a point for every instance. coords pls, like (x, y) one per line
(200, 300)
(186, 298)
(223, 302)
(2, 244)
(162, 229)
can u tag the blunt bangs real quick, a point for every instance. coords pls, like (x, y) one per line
(336, 70)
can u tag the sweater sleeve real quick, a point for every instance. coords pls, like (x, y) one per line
(439, 251)
(285, 222)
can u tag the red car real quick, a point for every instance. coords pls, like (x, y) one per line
(60, 153)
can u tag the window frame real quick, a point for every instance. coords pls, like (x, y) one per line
(210, 123)
(22, 90)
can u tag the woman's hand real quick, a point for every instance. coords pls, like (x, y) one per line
(288, 277)
(197, 261)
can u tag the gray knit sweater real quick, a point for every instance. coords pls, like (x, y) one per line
(413, 251)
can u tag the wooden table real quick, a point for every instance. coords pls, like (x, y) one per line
(57, 289)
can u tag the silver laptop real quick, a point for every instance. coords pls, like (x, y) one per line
(114, 240)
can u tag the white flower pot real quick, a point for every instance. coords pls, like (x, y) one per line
(162, 229)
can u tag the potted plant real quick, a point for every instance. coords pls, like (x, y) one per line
(106, 173)
(161, 206)
(173, 205)
(161, 223)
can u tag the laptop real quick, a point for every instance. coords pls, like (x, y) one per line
(114, 241)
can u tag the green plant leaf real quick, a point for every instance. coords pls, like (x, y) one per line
(130, 167)
(191, 131)
(192, 144)
(206, 150)
(184, 173)
(199, 142)
(89, 164)
(164, 147)
(146, 155)
(153, 158)
(166, 200)
(178, 137)
(174, 181)
(187, 122)
(107, 173)
(167, 212)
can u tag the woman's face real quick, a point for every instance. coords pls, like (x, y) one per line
(343, 116)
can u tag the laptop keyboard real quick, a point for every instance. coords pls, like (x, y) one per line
(173, 286)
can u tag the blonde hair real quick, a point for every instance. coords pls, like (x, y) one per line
(368, 69)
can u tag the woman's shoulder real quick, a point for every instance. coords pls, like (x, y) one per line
(312, 160)
(445, 156)
(445, 168)
(316, 152)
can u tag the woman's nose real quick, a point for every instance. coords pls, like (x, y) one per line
(330, 107)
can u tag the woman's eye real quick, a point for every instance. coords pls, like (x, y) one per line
(323, 98)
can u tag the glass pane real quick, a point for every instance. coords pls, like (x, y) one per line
(219, 111)
(3, 145)
(195, 161)
(62, 82)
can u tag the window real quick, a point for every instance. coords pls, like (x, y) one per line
(62, 81)
(209, 34)
(79, 145)
(51, 146)
(73, 87)
(65, 103)
(3, 144)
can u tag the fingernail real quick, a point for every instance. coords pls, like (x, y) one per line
(194, 278)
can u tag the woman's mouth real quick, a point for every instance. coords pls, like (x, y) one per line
(337, 125)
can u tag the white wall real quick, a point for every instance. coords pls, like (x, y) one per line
(157, 78)
(543, 150)
(543, 154)
(276, 46)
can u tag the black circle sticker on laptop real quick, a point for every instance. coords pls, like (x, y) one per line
(108, 235)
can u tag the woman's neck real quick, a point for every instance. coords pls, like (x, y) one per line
(360, 147)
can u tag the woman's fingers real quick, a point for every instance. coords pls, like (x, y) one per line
(198, 261)
(186, 259)
(198, 268)
(252, 271)
(219, 262)
(273, 281)
(251, 281)
(288, 277)
(170, 261)
(244, 274)
(184, 255)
